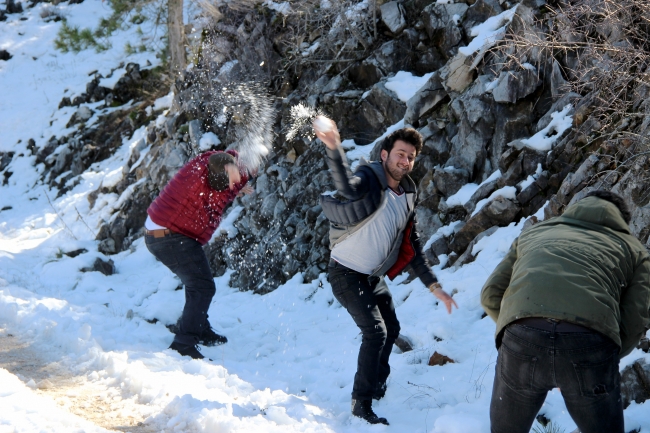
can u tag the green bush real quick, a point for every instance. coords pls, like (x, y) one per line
(72, 38)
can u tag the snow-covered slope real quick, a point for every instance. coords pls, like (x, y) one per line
(291, 355)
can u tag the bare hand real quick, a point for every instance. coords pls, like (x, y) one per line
(329, 135)
(247, 189)
(437, 291)
(233, 175)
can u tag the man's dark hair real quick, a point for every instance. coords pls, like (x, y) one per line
(218, 176)
(408, 135)
(615, 199)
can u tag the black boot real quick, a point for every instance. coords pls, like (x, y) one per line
(211, 338)
(363, 409)
(380, 392)
(187, 350)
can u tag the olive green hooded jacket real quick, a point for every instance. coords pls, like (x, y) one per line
(584, 267)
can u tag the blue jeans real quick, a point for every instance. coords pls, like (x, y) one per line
(532, 362)
(185, 257)
(370, 304)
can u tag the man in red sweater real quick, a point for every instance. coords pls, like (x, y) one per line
(181, 220)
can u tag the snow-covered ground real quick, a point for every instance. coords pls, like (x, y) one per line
(291, 355)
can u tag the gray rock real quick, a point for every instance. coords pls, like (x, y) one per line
(392, 15)
(428, 59)
(475, 130)
(84, 113)
(268, 205)
(514, 173)
(438, 146)
(441, 22)
(436, 17)
(513, 86)
(468, 256)
(569, 98)
(510, 155)
(481, 193)
(479, 12)
(365, 74)
(105, 267)
(640, 224)
(449, 180)
(438, 247)
(574, 182)
(387, 103)
(278, 210)
(532, 160)
(528, 193)
(175, 159)
(393, 56)
(499, 212)
(529, 223)
(11, 7)
(63, 159)
(81, 115)
(457, 74)
(196, 132)
(512, 122)
(425, 100)
(428, 219)
(635, 383)
(372, 115)
(5, 159)
(558, 83)
(404, 343)
(334, 84)
(318, 86)
(107, 246)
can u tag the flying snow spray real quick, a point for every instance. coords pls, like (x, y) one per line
(301, 119)
(256, 115)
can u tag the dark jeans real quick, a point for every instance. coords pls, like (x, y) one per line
(370, 304)
(185, 257)
(531, 362)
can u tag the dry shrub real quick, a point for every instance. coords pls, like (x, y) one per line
(603, 50)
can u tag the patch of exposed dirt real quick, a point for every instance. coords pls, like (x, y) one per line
(103, 406)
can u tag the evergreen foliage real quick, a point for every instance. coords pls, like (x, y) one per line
(125, 12)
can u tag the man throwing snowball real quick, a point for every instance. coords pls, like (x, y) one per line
(181, 220)
(373, 234)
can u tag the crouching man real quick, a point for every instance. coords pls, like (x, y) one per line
(373, 234)
(570, 298)
(181, 220)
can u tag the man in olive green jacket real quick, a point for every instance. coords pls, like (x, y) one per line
(570, 298)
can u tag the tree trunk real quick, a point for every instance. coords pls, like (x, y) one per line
(176, 34)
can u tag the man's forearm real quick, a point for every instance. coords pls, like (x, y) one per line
(341, 174)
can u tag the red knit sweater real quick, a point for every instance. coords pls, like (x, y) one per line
(188, 205)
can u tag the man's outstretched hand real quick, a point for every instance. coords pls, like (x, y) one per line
(247, 189)
(327, 132)
(443, 296)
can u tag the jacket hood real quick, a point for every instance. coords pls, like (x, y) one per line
(377, 168)
(595, 210)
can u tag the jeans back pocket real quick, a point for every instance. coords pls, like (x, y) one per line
(600, 377)
(517, 370)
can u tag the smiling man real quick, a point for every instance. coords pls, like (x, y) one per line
(372, 234)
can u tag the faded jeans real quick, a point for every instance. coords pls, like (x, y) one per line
(370, 304)
(532, 362)
(185, 257)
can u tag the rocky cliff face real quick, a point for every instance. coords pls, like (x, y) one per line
(476, 112)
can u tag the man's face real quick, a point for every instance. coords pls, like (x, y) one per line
(399, 162)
